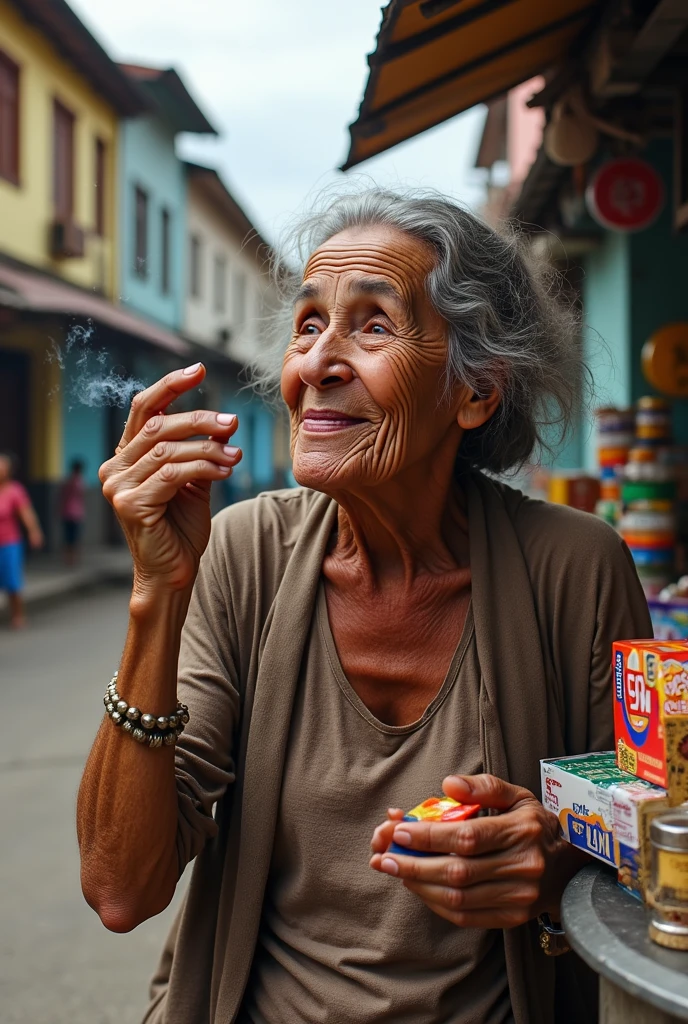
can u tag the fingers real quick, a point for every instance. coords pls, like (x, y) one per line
(466, 838)
(158, 396)
(175, 427)
(516, 896)
(455, 872)
(165, 452)
(486, 790)
(505, 915)
(149, 498)
(382, 836)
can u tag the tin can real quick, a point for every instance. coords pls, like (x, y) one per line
(653, 402)
(646, 490)
(649, 470)
(611, 419)
(641, 455)
(668, 887)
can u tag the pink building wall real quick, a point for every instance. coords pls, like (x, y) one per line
(524, 131)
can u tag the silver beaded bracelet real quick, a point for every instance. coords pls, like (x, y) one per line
(164, 730)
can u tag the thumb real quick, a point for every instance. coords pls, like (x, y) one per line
(486, 790)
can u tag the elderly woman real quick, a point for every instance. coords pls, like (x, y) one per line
(399, 624)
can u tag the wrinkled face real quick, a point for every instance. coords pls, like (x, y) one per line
(363, 375)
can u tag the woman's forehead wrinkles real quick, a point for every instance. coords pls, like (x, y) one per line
(405, 274)
(372, 257)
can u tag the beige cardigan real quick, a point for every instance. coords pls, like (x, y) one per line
(551, 589)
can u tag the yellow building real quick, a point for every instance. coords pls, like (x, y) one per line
(58, 165)
(61, 100)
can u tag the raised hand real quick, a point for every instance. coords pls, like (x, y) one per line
(158, 482)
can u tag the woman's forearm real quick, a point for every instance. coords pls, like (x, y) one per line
(127, 804)
(30, 521)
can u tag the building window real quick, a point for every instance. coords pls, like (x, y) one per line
(9, 119)
(220, 283)
(165, 248)
(63, 162)
(101, 184)
(140, 232)
(239, 299)
(195, 267)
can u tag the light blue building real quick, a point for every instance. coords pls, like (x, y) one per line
(152, 207)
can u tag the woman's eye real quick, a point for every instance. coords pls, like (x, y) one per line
(309, 329)
(377, 329)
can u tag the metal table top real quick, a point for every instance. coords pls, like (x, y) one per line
(608, 929)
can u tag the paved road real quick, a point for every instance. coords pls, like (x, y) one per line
(57, 962)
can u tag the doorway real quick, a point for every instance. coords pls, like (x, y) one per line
(15, 419)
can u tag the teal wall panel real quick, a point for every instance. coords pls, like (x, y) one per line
(148, 161)
(254, 436)
(659, 282)
(607, 306)
(84, 428)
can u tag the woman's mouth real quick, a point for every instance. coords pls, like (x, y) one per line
(326, 421)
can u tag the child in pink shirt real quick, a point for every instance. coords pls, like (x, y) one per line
(73, 510)
(16, 511)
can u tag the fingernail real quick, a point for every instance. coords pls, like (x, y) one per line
(225, 469)
(389, 866)
(225, 418)
(231, 451)
(460, 780)
(403, 838)
(192, 369)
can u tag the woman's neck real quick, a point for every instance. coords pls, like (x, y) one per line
(414, 524)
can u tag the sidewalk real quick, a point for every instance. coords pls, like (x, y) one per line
(48, 578)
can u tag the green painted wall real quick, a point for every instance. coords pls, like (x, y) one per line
(659, 282)
(607, 314)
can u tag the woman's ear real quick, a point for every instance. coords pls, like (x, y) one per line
(476, 408)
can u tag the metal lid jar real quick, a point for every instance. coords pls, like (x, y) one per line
(668, 888)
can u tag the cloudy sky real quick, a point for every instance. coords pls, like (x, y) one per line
(281, 80)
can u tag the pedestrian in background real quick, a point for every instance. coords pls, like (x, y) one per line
(73, 511)
(16, 511)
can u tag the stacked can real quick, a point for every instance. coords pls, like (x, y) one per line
(648, 523)
(653, 422)
(615, 437)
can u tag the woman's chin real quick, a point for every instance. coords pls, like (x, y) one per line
(315, 471)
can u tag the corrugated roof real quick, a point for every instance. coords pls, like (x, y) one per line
(436, 58)
(38, 293)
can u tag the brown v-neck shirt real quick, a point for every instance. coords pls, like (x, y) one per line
(340, 942)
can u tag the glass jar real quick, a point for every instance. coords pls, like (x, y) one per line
(668, 888)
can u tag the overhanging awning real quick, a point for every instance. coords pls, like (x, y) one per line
(436, 58)
(25, 290)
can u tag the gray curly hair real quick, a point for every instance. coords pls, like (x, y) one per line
(507, 326)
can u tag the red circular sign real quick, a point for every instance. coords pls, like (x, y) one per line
(625, 195)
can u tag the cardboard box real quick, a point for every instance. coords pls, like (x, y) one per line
(604, 811)
(651, 713)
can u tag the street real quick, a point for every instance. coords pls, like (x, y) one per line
(57, 962)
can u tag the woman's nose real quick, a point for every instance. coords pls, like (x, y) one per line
(324, 365)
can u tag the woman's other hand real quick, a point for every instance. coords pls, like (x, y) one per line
(497, 871)
(158, 482)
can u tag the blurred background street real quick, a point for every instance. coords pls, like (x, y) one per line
(57, 962)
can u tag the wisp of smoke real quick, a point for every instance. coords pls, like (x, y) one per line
(92, 383)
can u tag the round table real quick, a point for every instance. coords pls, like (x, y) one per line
(640, 982)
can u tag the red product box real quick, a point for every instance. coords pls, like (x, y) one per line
(651, 712)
